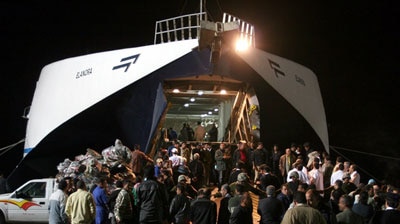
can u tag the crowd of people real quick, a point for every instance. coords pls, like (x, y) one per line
(183, 181)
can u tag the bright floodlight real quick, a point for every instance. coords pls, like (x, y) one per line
(192, 99)
(175, 91)
(186, 105)
(216, 109)
(223, 92)
(200, 92)
(209, 112)
(242, 44)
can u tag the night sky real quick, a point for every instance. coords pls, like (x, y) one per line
(352, 47)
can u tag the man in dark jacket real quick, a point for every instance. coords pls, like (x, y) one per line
(151, 198)
(224, 214)
(203, 210)
(179, 209)
(270, 209)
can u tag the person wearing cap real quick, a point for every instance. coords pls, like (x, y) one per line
(244, 180)
(347, 185)
(190, 191)
(270, 209)
(294, 183)
(298, 167)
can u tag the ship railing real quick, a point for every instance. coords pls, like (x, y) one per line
(184, 27)
(247, 32)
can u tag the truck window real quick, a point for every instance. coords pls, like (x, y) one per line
(33, 190)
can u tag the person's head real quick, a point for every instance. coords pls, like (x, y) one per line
(363, 197)
(339, 159)
(198, 122)
(293, 147)
(196, 156)
(392, 200)
(245, 201)
(345, 202)
(270, 191)
(101, 182)
(240, 189)
(222, 146)
(376, 189)
(299, 166)
(353, 168)
(341, 166)
(174, 151)
(136, 147)
(242, 177)
(285, 189)
(119, 184)
(203, 193)
(63, 185)
(312, 198)
(260, 145)
(159, 162)
(306, 146)
(302, 187)
(81, 185)
(346, 165)
(148, 172)
(180, 189)
(182, 179)
(338, 184)
(316, 163)
(346, 178)
(242, 145)
(294, 176)
(288, 151)
(225, 189)
(127, 184)
(299, 198)
(275, 147)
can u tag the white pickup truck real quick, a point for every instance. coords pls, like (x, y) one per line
(29, 203)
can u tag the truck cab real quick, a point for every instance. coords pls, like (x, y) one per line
(29, 203)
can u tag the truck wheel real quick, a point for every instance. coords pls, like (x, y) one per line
(2, 219)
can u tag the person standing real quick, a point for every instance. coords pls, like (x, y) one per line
(220, 165)
(196, 167)
(224, 214)
(202, 209)
(302, 213)
(258, 158)
(285, 163)
(100, 199)
(137, 160)
(347, 216)
(124, 204)
(199, 132)
(271, 209)
(80, 207)
(213, 133)
(151, 198)
(112, 199)
(57, 204)
(244, 212)
(179, 209)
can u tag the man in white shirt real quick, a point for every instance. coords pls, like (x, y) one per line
(175, 159)
(298, 167)
(316, 176)
(337, 175)
(354, 175)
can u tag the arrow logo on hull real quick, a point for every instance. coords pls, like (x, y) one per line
(127, 64)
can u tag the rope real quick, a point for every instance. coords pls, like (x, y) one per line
(8, 148)
(366, 153)
(333, 148)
